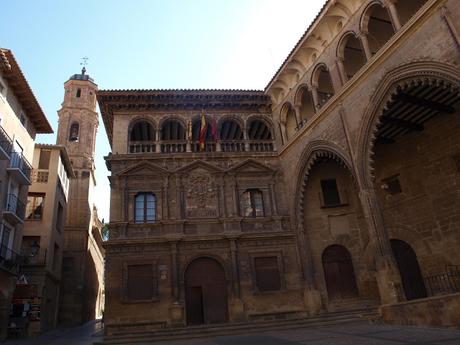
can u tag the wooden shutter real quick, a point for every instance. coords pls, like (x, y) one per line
(267, 273)
(140, 282)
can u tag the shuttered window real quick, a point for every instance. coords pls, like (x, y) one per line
(140, 282)
(267, 273)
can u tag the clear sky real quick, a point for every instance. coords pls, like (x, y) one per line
(146, 44)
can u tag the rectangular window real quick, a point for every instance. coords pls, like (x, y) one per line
(330, 192)
(44, 160)
(30, 248)
(392, 185)
(267, 274)
(35, 205)
(140, 282)
(145, 208)
(5, 241)
(253, 204)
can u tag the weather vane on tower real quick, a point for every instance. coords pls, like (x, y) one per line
(84, 63)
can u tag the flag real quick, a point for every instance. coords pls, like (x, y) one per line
(214, 128)
(203, 130)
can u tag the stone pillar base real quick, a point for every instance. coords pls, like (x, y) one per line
(236, 309)
(176, 312)
(389, 281)
(312, 301)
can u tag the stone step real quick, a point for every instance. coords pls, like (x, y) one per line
(205, 331)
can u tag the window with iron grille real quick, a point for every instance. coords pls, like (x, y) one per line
(35, 205)
(267, 273)
(145, 208)
(331, 196)
(140, 284)
(253, 204)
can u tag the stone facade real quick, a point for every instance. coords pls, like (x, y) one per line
(81, 294)
(359, 178)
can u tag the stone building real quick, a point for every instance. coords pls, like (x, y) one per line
(335, 188)
(21, 118)
(43, 235)
(82, 287)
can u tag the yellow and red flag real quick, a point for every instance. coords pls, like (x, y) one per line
(203, 131)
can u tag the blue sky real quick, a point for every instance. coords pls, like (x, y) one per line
(149, 44)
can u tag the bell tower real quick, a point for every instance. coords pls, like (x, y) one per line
(78, 123)
(78, 120)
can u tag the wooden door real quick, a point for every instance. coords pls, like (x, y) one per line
(411, 276)
(339, 273)
(206, 292)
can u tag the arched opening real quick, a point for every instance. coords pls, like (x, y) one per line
(415, 167)
(339, 273)
(74, 132)
(172, 137)
(406, 9)
(260, 136)
(307, 107)
(408, 266)
(378, 26)
(205, 292)
(78, 93)
(231, 136)
(325, 89)
(142, 137)
(209, 140)
(353, 55)
(291, 120)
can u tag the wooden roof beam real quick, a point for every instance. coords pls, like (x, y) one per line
(422, 102)
(386, 119)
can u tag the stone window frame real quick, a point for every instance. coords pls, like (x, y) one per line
(266, 198)
(155, 282)
(341, 188)
(279, 255)
(158, 192)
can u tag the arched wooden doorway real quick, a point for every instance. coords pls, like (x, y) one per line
(411, 276)
(339, 273)
(205, 292)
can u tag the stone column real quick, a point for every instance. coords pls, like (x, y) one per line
(314, 94)
(394, 14)
(273, 199)
(366, 46)
(158, 143)
(342, 71)
(176, 309)
(221, 193)
(236, 304)
(387, 275)
(166, 198)
(247, 147)
(298, 116)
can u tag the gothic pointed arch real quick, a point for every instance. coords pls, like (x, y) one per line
(404, 77)
(315, 151)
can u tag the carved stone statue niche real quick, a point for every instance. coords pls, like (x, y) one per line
(201, 195)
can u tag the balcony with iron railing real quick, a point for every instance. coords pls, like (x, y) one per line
(19, 168)
(443, 283)
(15, 209)
(9, 259)
(183, 146)
(5, 144)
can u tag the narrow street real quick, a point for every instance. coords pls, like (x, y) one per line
(346, 334)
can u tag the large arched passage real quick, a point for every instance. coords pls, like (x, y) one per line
(339, 273)
(205, 292)
(408, 266)
(412, 163)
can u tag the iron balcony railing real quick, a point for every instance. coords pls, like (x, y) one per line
(18, 161)
(14, 205)
(9, 259)
(5, 141)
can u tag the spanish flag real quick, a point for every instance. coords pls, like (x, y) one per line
(203, 131)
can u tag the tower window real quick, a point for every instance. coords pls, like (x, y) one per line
(74, 129)
(145, 208)
(330, 191)
(78, 93)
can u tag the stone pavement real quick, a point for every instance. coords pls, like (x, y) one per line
(345, 334)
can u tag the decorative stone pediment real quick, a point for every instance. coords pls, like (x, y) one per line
(251, 166)
(199, 165)
(144, 169)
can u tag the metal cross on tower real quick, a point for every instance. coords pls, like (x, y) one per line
(84, 63)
